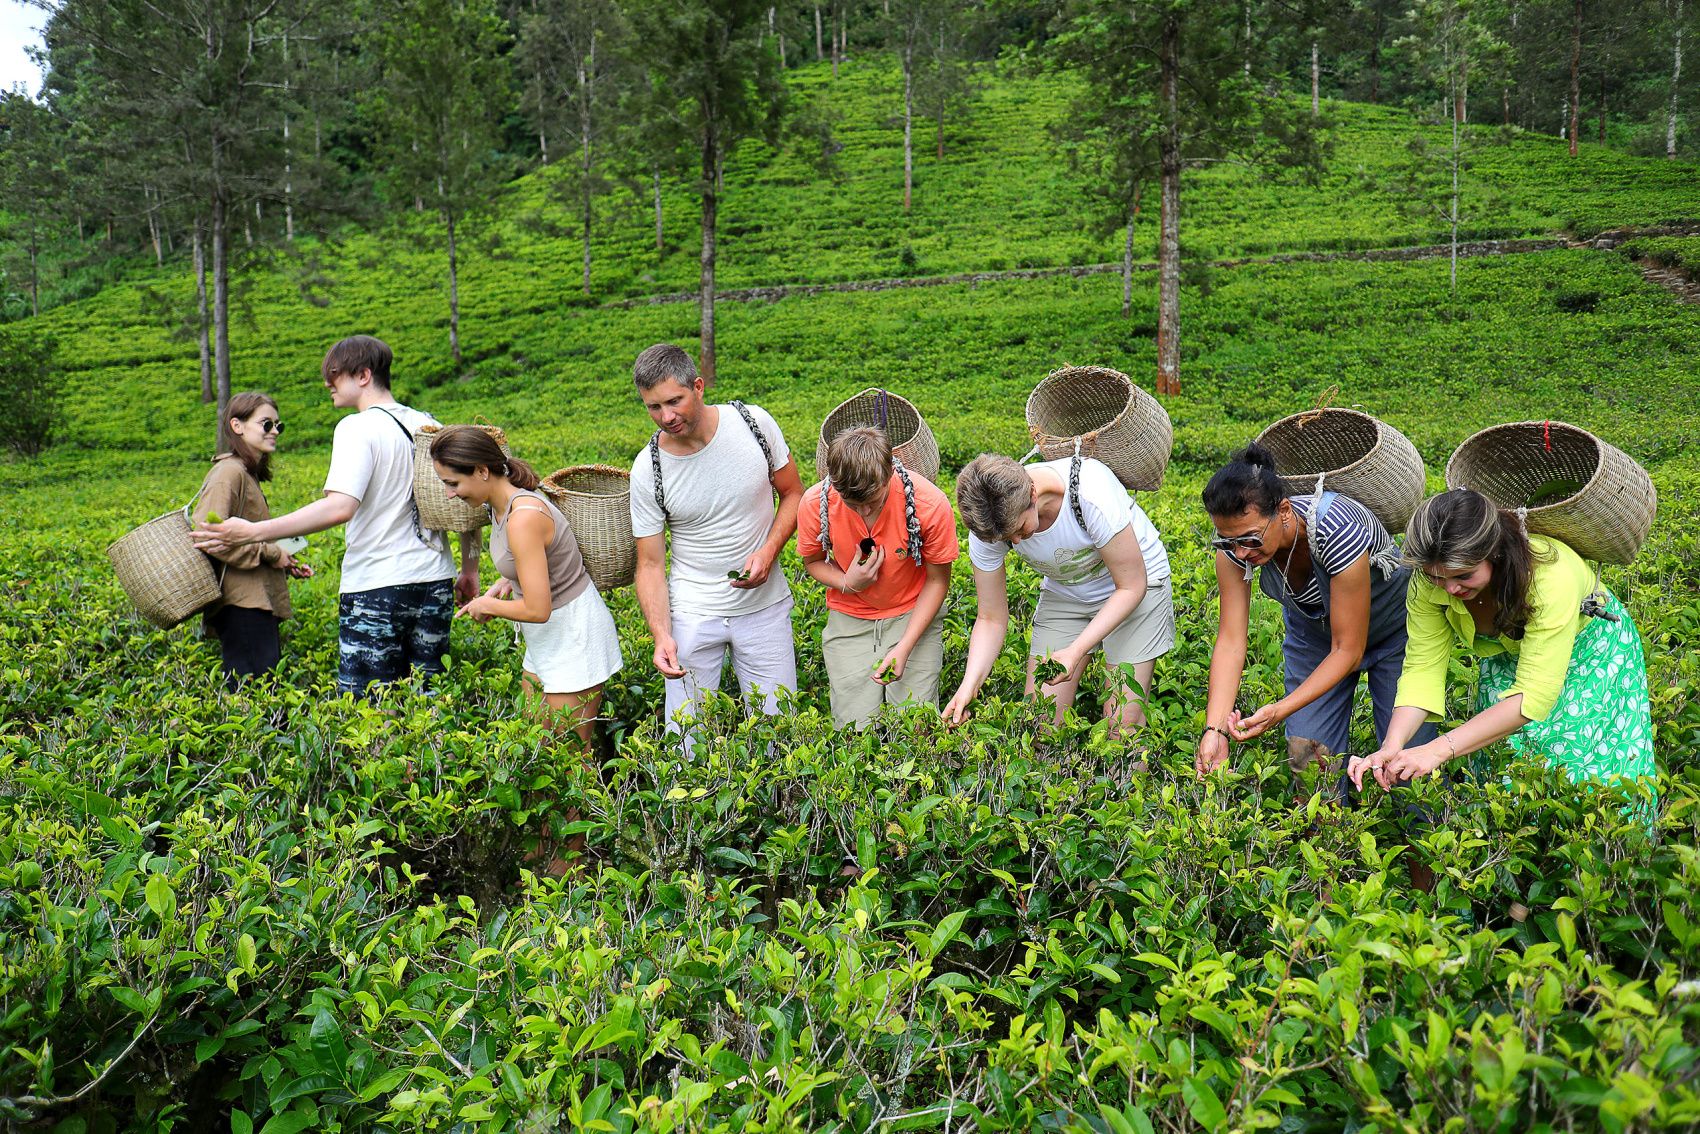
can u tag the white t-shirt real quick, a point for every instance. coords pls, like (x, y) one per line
(372, 461)
(721, 504)
(1067, 554)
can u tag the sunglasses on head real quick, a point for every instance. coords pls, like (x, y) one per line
(1245, 542)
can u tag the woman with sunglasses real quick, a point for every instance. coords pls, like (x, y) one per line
(254, 588)
(1562, 674)
(1336, 573)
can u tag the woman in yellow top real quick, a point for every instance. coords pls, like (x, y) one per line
(1562, 673)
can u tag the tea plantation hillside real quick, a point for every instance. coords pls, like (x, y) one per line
(281, 911)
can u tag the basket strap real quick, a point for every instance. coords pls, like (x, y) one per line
(755, 431)
(412, 501)
(825, 527)
(1074, 487)
(655, 475)
(911, 519)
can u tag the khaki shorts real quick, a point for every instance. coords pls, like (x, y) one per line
(853, 646)
(1149, 632)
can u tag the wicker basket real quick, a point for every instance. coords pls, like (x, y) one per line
(596, 500)
(438, 511)
(1577, 489)
(159, 568)
(1356, 455)
(911, 438)
(1115, 422)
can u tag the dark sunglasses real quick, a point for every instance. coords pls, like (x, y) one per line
(268, 426)
(1247, 542)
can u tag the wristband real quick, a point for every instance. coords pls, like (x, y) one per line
(1225, 733)
(1451, 752)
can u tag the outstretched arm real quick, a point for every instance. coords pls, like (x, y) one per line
(328, 511)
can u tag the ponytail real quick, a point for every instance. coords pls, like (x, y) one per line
(1249, 480)
(465, 448)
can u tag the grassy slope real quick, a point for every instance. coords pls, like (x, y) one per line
(1260, 341)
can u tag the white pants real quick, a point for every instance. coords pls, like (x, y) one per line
(763, 657)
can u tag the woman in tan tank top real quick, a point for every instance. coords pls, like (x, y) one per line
(571, 644)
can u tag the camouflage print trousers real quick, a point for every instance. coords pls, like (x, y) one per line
(386, 632)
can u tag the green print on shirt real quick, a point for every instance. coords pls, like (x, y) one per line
(1071, 568)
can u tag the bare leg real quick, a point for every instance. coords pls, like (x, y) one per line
(1302, 754)
(1125, 707)
(563, 712)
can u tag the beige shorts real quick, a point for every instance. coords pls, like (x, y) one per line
(853, 646)
(1149, 632)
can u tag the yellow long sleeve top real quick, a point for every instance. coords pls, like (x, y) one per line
(1436, 623)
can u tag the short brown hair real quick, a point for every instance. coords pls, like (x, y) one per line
(858, 462)
(993, 492)
(357, 353)
(660, 362)
(242, 406)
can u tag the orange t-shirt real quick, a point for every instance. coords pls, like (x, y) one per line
(898, 585)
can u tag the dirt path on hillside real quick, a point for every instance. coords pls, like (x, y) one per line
(1677, 281)
(1674, 280)
(787, 291)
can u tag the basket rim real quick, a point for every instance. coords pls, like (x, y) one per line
(1040, 436)
(920, 421)
(1381, 428)
(184, 512)
(1593, 439)
(552, 484)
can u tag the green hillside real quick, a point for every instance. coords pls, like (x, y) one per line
(314, 911)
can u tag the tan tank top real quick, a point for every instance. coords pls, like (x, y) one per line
(567, 576)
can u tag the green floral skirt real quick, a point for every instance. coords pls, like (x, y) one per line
(1602, 726)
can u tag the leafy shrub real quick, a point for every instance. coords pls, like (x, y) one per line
(29, 390)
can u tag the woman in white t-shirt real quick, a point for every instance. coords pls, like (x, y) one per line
(1106, 579)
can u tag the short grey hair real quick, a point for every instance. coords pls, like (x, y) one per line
(661, 362)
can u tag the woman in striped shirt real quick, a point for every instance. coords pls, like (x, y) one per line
(1336, 573)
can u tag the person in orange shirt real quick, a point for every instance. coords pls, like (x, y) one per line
(881, 539)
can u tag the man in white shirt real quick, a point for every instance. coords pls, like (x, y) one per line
(398, 581)
(708, 480)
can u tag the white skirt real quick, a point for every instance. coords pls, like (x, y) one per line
(576, 649)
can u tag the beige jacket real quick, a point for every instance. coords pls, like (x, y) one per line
(252, 577)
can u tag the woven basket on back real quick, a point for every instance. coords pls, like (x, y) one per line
(1115, 422)
(438, 511)
(1356, 455)
(159, 568)
(911, 438)
(1577, 489)
(596, 500)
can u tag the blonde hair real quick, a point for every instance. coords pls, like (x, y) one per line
(992, 492)
(858, 463)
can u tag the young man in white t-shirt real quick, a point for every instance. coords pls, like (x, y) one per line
(707, 481)
(398, 582)
(1106, 579)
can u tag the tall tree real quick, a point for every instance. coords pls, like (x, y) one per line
(189, 94)
(1448, 39)
(32, 182)
(1676, 30)
(439, 107)
(1178, 60)
(716, 78)
(945, 86)
(575, 50)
